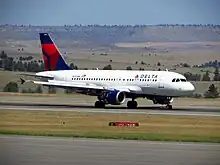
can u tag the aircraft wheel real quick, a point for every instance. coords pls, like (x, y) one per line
(169, 106)
(132, 104)
(99, 104)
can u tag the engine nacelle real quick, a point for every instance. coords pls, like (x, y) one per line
(115, 97)
(162, 100)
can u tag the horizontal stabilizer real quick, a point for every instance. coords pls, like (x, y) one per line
(37, 76)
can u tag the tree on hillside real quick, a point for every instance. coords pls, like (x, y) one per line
(192, 77)
(51, 90)
(11, 87)
(38, 89)
(129, 68)
(68, 91)
(206, 76)
(74, 67)
(186, 65)
(107, 67)
(8, 64)
(212, 92)
(216, 75)
(3, 55)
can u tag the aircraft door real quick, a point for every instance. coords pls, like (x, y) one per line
(62, 78)
(160, 82)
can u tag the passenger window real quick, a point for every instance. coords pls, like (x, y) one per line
(174, 80)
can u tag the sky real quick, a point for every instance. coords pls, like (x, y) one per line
(110, 12)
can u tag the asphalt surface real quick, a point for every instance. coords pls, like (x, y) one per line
(23, 150)
(112, 109)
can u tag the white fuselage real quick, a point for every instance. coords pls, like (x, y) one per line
(142, 82)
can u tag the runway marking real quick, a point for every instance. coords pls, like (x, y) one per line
(7, 137)
(118, 111)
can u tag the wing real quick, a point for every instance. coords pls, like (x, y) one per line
(85, 86)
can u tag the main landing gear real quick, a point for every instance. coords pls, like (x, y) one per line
(168, 106)
(99, 104)
(132, 104)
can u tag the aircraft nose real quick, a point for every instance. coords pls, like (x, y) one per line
(190, 87)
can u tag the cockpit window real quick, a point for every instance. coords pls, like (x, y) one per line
(179, 80)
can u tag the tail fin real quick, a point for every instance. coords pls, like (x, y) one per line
(53, 59)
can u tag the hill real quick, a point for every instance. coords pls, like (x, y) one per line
(115, 34)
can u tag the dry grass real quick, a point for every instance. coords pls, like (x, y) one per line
(96, 125)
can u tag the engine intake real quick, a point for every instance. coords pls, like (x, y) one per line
(113, 97)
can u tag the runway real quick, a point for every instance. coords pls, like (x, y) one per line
(23, 150)
(179, 111)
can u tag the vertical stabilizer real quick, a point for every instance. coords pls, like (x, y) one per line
(53, 59)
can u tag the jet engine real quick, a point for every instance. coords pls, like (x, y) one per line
(113, 97)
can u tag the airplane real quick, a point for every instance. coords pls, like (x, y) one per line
(112, 87)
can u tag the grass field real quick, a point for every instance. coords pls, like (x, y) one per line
(95, 125)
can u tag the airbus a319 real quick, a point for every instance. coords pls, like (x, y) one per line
(110, 86)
